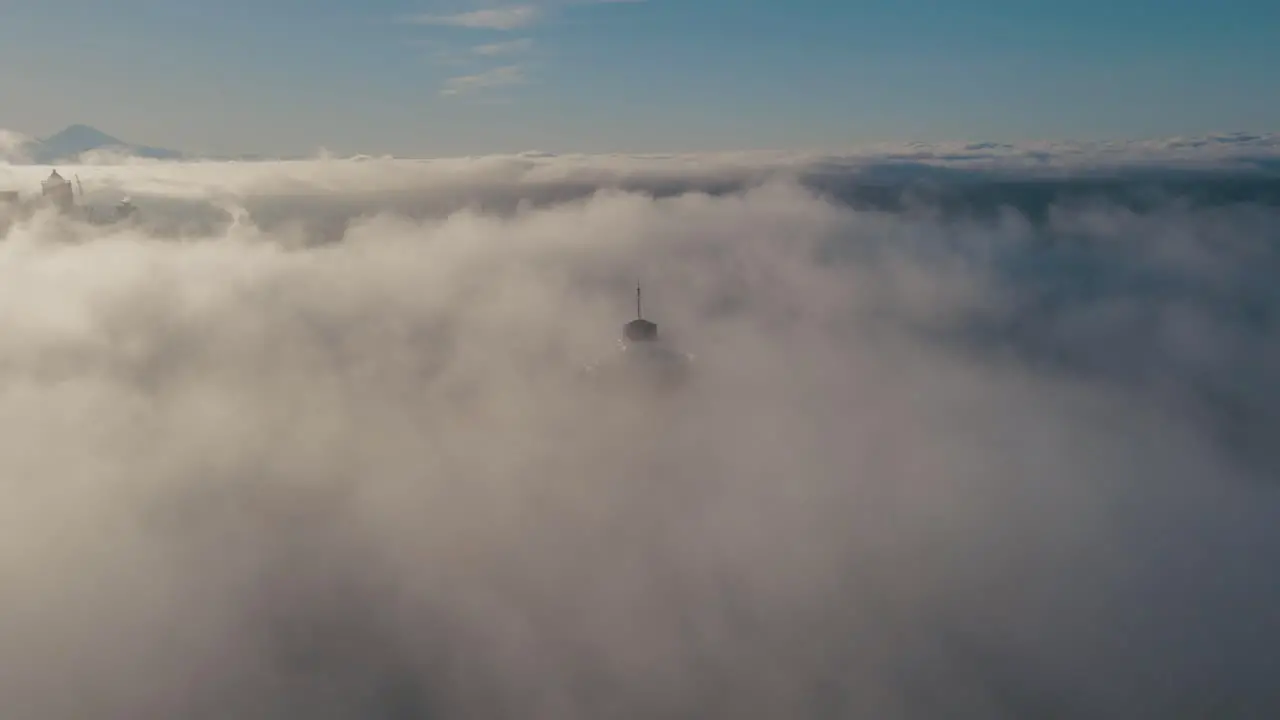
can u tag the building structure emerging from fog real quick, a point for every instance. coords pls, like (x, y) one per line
(58, 190)
(125, 209)
(641, 360)
(640, 330)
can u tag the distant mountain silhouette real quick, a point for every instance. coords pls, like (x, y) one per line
(71, 142)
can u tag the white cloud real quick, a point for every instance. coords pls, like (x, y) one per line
(501, 18)
(312, 432)
(13, 146)
(505, 76)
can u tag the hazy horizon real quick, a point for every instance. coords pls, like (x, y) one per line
(1236, 150)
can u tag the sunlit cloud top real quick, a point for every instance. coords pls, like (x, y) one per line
(353, 438)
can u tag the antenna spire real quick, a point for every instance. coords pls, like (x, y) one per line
(640, 329)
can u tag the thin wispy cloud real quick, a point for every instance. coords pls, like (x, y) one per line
(505, 76)
(512, 47)
(501, 18)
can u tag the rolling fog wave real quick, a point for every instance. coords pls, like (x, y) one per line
(299, 444)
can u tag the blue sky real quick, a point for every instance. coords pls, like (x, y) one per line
(451, 77)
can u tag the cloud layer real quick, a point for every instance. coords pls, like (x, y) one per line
(982, 435)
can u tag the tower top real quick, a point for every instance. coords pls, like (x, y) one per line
(640, 330)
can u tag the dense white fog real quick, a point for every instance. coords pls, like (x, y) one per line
(310, 440)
